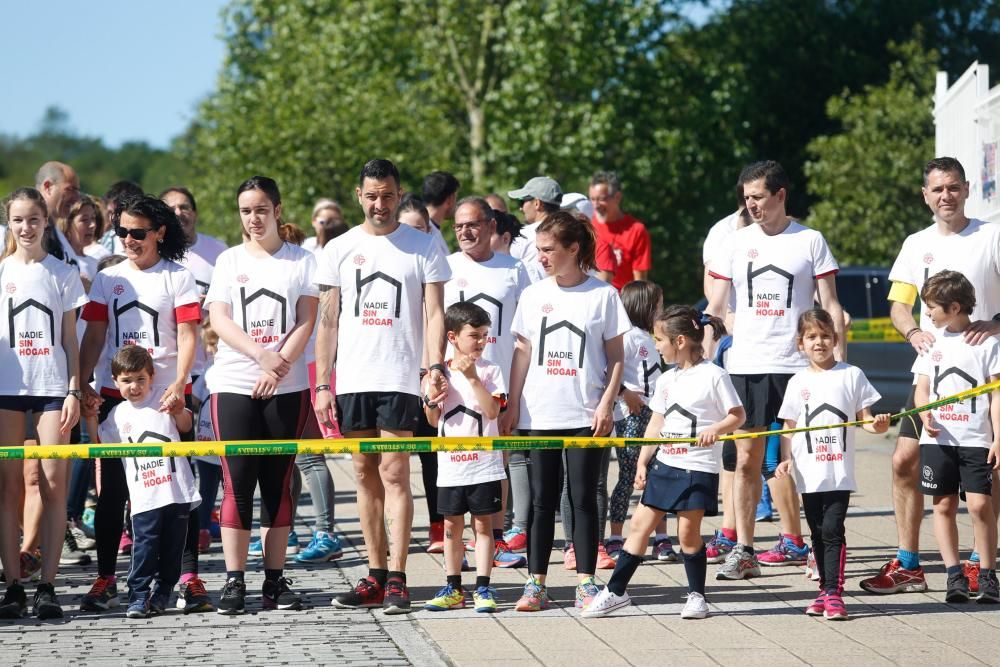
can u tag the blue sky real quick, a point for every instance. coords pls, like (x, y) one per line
(84, 56)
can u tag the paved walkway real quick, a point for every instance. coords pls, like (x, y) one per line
(754, 622)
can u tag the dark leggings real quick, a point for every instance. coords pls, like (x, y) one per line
(429, 473)
(209, 476)
(583, 467)
(825, 512)
(239, 417)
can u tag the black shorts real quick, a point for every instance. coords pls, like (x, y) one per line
(480, 499)
(944, 470)
(761, 395)
(31, 403)
(911, 426)
(369, 410)
(671, 489)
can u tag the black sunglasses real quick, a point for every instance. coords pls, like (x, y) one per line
(137, 234)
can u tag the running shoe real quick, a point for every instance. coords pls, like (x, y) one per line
(158, 602)
(893, 578)
(785, 552)
(279, 595)
(516, 539)
(138, 609)
(765, 508)
(614, 548)
(604, 603)
(192, 597)
(958, 588)
(695, 607)
(204, 540)
(569, 558)
(663, 551)
(397, 598)
(83, 541)
(812, 572)
(72, 554)
(740, 564)
(447, 598)
(989, 588)
(471, 544)
(971, 571)
(293, 543)
(484, 599)
(31, 563)
(718, 548)
(103, 595)
(256, 548)
(125, 544)
(604, 561)
(214, 527)
(435, 538)
(14, 603)
(833, 608)
(323, 547)
(87, 522)
(367, 594)
(504, 557)
(535, 597)
(233, 599)
(586, 591)
(818, 606)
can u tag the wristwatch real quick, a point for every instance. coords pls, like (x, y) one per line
(75, 393)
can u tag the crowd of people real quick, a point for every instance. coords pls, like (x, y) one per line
(127, 324)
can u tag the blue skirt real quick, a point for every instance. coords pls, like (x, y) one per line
(671, 489)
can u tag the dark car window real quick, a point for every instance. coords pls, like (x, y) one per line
(853, 294)
(878, 290)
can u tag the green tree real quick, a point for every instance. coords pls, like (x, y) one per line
(867, 176)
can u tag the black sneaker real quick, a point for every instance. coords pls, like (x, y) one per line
(46, 604)
(193, 598)
(989, 588)
(14, 603)
(278, 595)
(397, 598)
(958, 588)
(232, 601)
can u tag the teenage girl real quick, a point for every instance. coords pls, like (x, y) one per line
(694, 399)
(828, 392)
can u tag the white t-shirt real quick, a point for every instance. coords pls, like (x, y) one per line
(567, 328)
(153, 482)
(204, 430)
(642, 368)
(974, 252)
(381, 281)
(461, 414)
(824, 460)
(200, 261)
(774, 280)
(142, 308)
(97, 251)
(34, 299)
(263, 293)
(442, 245)
(952, 365)
(311, 244)
(717, 235)
(496, 285)
(524, 249)
(691, 400)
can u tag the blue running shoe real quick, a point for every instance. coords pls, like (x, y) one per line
(293, 543)
(785, 552)
(323, 547)
(765, 508)
(504, 557)
(256, 549)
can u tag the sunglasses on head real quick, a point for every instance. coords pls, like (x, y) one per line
(138, 234)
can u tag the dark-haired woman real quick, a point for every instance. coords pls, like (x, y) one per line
(262, 303)
(564, 380)
(148, 300)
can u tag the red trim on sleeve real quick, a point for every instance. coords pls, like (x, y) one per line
(190, 312)
(828, 273)
(95, 312)
(717, 276)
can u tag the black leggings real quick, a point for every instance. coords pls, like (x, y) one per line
(239, 417)
(583, 468)
(825, 512)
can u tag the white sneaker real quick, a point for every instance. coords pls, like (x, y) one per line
(604, 603)
(695, 607)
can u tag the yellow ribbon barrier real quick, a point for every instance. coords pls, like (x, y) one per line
(409, 445)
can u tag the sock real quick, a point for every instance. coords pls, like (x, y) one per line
(616, 538)
(695, 566)
(455, 580)
(910, 560)
(188, 576)
(497, 534)
(398, 576)
(954, 569)
(111, 578)
(974, 557)
(624, 569)
(795, 539)
(482, 582)
(273, 575)
(729, 534)
(379, 576)
(661, 536)
(748, 549)
(238, 575)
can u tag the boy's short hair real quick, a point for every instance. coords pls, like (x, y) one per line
(948, 287)
(465, 312)
(131, 359)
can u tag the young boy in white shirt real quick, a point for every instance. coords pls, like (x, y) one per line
(162, 489)
(468, 481)
(960, 445)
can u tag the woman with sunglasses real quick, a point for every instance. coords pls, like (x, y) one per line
(148, 300)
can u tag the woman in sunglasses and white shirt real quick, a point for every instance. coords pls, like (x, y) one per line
(148, 300)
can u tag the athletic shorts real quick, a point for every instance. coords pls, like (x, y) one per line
(480, 499)
(761, 395)
(671, 489)
(911, 426)
(31, 403)
(945, 469)
(370, 410)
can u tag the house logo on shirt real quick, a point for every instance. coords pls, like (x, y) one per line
(376, 312)
(768, 304)
(459, 409)
(135, 336)
(947, 412)
(649, 371)
(822, 445)
(30, 342)
(679, 448)
(261, 329)
(560, 362)
(489, 299)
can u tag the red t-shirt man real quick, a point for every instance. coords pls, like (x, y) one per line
(626, 237)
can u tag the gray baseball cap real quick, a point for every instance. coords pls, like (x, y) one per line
(540, 187)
